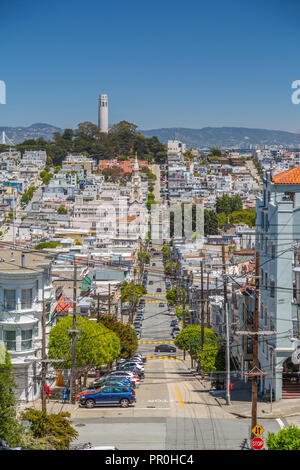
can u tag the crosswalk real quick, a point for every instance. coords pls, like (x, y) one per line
(155, 342)
(156, 301)
(171, 358)
(154, 295)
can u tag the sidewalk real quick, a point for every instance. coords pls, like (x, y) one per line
(241, 402)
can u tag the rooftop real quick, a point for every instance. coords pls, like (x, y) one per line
(11, 261)
(291, 176)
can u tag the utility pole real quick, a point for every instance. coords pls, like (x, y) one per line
(255, 344)
(207, 301)
(109, 299)
(202, 307)
(227, 355)
(73, 331)
(44, 364)
(98, 308)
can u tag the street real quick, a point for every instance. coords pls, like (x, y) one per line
(174, 409)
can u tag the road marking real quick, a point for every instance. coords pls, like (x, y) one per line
(281, 424)
(172, 358)
(179, 397)
(155, 342)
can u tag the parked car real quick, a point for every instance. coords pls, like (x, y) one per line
(133, 367)
(158, 289)
(131, 375)
(139, 364)
(144, 359)
(109, 381)
(173, 323)
(161, 304)
(165, 348)
(139, 316)
(123, 396)
(153, 264)
(150, 283)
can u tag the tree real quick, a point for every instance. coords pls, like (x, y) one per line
(286, 439)
(95, 345)
(10, 429)
(132, 292)
(172, 296)
(215, 152)
(126, 335)
(190, 339)
(54, 428)
(210, 222)
(62, 210)
(47, 245)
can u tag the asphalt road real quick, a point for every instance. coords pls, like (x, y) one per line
(174, 409)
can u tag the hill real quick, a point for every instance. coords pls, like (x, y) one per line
(34, 131)
(225, 137)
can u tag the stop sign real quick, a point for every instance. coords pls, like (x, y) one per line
(257, 443)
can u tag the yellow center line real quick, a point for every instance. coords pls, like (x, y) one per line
(179, 397)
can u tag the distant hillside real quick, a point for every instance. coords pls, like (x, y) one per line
(226, 137)
(19, 134)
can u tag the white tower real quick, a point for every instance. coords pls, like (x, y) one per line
(103, 113)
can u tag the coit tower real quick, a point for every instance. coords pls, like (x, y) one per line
(103, 113)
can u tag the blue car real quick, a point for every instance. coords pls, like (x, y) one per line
(122, 395)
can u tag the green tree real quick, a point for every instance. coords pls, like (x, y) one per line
(56, 427)
(172, 296)
(210, 222)
(45, 245)
(62, 210)
(10, 429)
(132, 292)
(126, 335)
(285, 439)
(190, 339)
(95, 346)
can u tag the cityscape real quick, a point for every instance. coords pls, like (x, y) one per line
(149, 272)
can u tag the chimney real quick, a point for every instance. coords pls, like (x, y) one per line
(23, 260)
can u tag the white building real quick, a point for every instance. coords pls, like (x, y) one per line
(25, 281)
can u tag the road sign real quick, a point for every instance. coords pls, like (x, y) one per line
(257, 430)
(257, 443)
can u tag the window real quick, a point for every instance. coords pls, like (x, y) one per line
(36, 330)
(266, 246)
(273, 251)
(10, 340)
(26, 340)
(272, 288)
(261, 310)
(272, 324)
(266, 316)
(26, 298)
(266, 281)
(10, 299)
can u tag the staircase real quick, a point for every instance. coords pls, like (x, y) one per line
(291, 390)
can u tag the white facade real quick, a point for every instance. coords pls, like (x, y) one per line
(22, 290)
(176, 147)
(103, 113)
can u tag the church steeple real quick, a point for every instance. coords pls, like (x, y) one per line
(136, 184)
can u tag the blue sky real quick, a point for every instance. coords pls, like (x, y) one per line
(163, 63)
